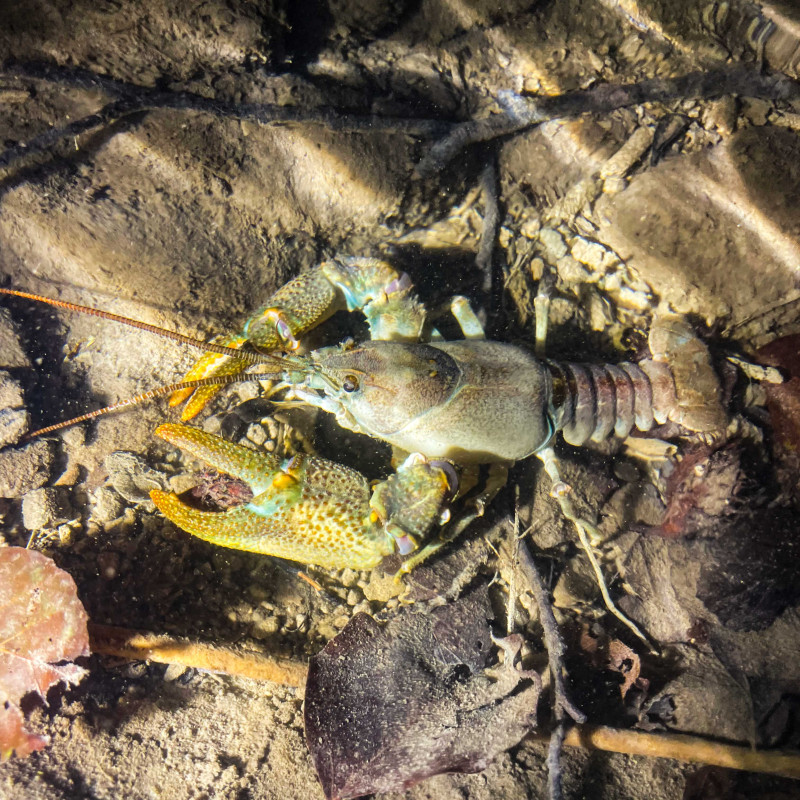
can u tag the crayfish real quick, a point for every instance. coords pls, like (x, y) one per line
(444, 406)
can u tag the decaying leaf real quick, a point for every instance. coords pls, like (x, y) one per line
(611, 654)
(388, 707)
(783, 404)
(703, 486)
(42, 623)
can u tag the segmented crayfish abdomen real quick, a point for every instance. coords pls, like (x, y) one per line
(678, 384)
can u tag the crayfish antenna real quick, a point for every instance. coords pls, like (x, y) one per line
(142, 398)
(251, 356)
(277, 364)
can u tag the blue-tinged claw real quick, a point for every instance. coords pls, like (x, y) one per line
(384, 296)
(410, 502)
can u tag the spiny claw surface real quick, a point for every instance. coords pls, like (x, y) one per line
(304, 509)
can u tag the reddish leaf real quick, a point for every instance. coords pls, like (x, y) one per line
(783, 400)
(42, 623)
(702, 487)
(13, 736)
(611, 654)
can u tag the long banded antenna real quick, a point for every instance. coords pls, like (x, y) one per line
(138, 399)
(249, 356)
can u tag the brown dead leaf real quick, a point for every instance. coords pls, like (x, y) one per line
(389, 706)
(42, 623)
(612, 654)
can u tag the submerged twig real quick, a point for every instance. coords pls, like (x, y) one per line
(124, 643)
(556, 650)
(107, 115)
(132, 99)
(691, 749)
(491, 220)
(554, 642)
(525, 112)
(587, 533)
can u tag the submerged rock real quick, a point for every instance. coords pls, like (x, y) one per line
(24, 469)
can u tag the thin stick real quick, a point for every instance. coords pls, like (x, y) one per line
(109, 113)
(491, 220)
(124, 643)
(133, 99)
(554, 643)
(692, 749)
(523, 112)
(553, 640)
(585, 530)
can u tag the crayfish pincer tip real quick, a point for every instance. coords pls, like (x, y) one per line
(163, 430)
(174, 433)
(158, 497)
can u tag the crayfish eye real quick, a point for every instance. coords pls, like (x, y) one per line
(350, 383)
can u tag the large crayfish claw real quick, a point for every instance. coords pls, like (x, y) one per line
(309, 509)
(304, 509)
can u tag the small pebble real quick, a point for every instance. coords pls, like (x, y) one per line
(132, 476)
(537, 269)
(24, 469)
(553, 244)
(348, 578)
(14, 422)
(265, 628)
(45, 508)
(74, 436)
(756, 110)
(173, 672)
(106, 504)
(136, 669)
(182, 483)
(10, 391)
(570, 271)
(70, 476)
(66, 533)
(247, 391)
(212, 425)
(531, 227)
(589, 253)
(353, 597)
(256, 434)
